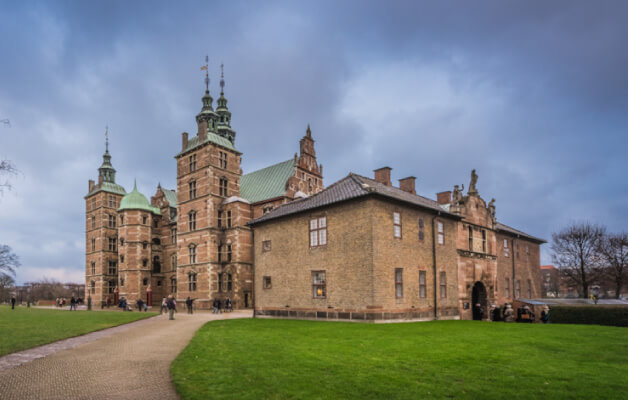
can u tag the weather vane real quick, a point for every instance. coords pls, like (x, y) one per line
(107, 137)
(222, 78)
(206, 69)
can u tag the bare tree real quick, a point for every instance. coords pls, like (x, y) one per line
(6, 168)
(6, 287)
(8, 261)
(576, 254)
(614, 251)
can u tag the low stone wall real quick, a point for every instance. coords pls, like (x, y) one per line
(358, 315)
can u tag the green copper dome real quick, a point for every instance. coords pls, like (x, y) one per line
(137, 201)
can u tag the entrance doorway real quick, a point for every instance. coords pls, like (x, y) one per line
(246, 299)
(478, 296)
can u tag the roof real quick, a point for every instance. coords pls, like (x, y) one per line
(351, 187)
(513, 231)
(211, 138)
(548, 267)
(171, 197)
(266, 183)
(137, 201)
(109, 187)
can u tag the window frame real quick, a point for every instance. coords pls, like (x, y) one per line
(192, 189)
(317, 284)
(398, 283)
(192, 162)
(422, 284)
(192, 253)
(442, 283)
(318, 233)
(397, 234)
(267, 282)
(266, 246)
(192, 281)
(192, 220)
(507, 287)
(440, 233)
(223, 187)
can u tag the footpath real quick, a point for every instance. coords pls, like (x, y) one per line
(131, 361)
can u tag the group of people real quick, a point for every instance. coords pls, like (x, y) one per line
(507, 314)
(74, 301)
(219, 306)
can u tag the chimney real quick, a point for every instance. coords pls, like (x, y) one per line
(382, 175)
(443, 197)
(91, 185)
(100, 180)
(184, 137)
(408, 184)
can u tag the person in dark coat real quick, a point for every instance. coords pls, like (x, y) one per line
(72, 304)
(189, 303)
(140, 305)
(228, 305)
(12, 302)
(497, 314)
(545, 314)
(171, 306)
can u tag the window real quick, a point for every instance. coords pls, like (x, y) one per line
(483, 241)
(155, 224)
(93, 268)
(266, 245)
(398, 283)
(192, 220)
(220, 287)
(397, 224)
(144, 245)
(441, 232)
(319, 286)
(121, 281)
(220, 250)
(144, 263)
(223, 159)
(529, 289)
(156, 265)
(506, 249)
(159, 282)
(229, 283)
(121, 219)
(507, 287)
(173, 260)
(112, 201)
(223, 185)
(192, 189)
(422, 285)
(470, 238)
(192, 251)
(220, 217)
(443, 284)
(229, 219)
(228, 253)
(93, 244)
(144, 219)
(112, 286)
(421, 232)
(192, 281)
(121, 242)
(121, 258)
(92, 287)
(173, 236)
(527, 253)
(318, 232)
(518, 289)
(145, 281)
(173, 284)
(266, 282)
(192, 162)
(113, 266)
(93, 222)
(113, 244)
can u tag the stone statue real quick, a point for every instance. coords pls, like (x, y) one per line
(457, 196)
(491, 209)
(474, 180)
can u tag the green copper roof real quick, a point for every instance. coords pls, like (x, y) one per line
(211, 137)
(137, 201)
(266, 183)
(108, 187)
(171, 197)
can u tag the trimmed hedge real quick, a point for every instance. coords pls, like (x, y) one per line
(597, 315)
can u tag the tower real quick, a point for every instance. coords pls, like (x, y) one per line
(308, 171)
(101, 239)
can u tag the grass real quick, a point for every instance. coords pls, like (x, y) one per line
(24, 328)
(289, 359)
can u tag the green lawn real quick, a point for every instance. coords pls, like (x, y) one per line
(24, 328)
(288, 359)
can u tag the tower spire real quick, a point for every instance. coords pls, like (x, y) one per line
(206, 68)
(107, 139)
(222, 79)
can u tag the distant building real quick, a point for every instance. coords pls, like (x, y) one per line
(550, 281)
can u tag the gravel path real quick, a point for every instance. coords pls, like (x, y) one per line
(126, 362)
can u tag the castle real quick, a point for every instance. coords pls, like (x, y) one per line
(277, 241)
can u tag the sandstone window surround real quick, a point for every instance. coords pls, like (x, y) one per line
(440, 232)
(527, 253)
(121, 258)
(229, 219)
(507, 288)
(93, 268)
(113, 267)
(222, 162)
(144, 245)
(397, 225)
(121, 282)
(319, 285)
(398, 283)
(173, 284)
(121, 242)
(443, 284)
(144, 219)
(228, 259)
(318, 232)
(112, 201)
(192, 220)
(121, 219)
(144, 263)
(223, 184)
(192, 162)
(220, 219)
(518, 289)
(192, 253)
(173, 236)
(267, 282)
(506, 249)
(483, 241)
(173, 260)
(192, 189)
(266, 246)
(113, 244)
(422, 284)
(93, 221)
(112, 286)
(421, 230)
(192, 281)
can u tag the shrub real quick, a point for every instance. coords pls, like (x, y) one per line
(598, 315)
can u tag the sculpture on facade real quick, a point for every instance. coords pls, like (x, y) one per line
(491, 209)
(474, 181)
(457, 196)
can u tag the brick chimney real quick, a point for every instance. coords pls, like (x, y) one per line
(382, 175)
(184, 137)
(408, 184)
(91, 185)
(443, 197)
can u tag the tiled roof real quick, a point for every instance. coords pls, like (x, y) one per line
(211, 137)
(513, 231)
(266, 183)
(351, 187)
(548, 267)
(107, 187)
(171, 197)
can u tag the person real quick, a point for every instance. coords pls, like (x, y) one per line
(164, 306)
(496, 314)
(188, 304)
(509, 314)
(545, 314)
(228, 305)
(12, 302)
(57, 302)
(108, 301)
(215, 306)
(140, 305)
(145, 307)
(170, 303)
(72, 304)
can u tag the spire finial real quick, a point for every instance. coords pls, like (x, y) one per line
(308, 131)
(107, 138)
(135, 184)
(222, 78)
(206, 69)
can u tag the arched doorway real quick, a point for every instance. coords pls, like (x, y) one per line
(478, 296)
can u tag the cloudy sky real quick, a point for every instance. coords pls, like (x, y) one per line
(534, 95)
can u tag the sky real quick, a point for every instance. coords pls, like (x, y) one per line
(533, 95)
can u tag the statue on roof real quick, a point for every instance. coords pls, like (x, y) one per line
(474, 181)
(457, 196)
(491, 209)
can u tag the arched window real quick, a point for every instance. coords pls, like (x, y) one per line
(192, 281)
(192, 251)
(192, 220)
